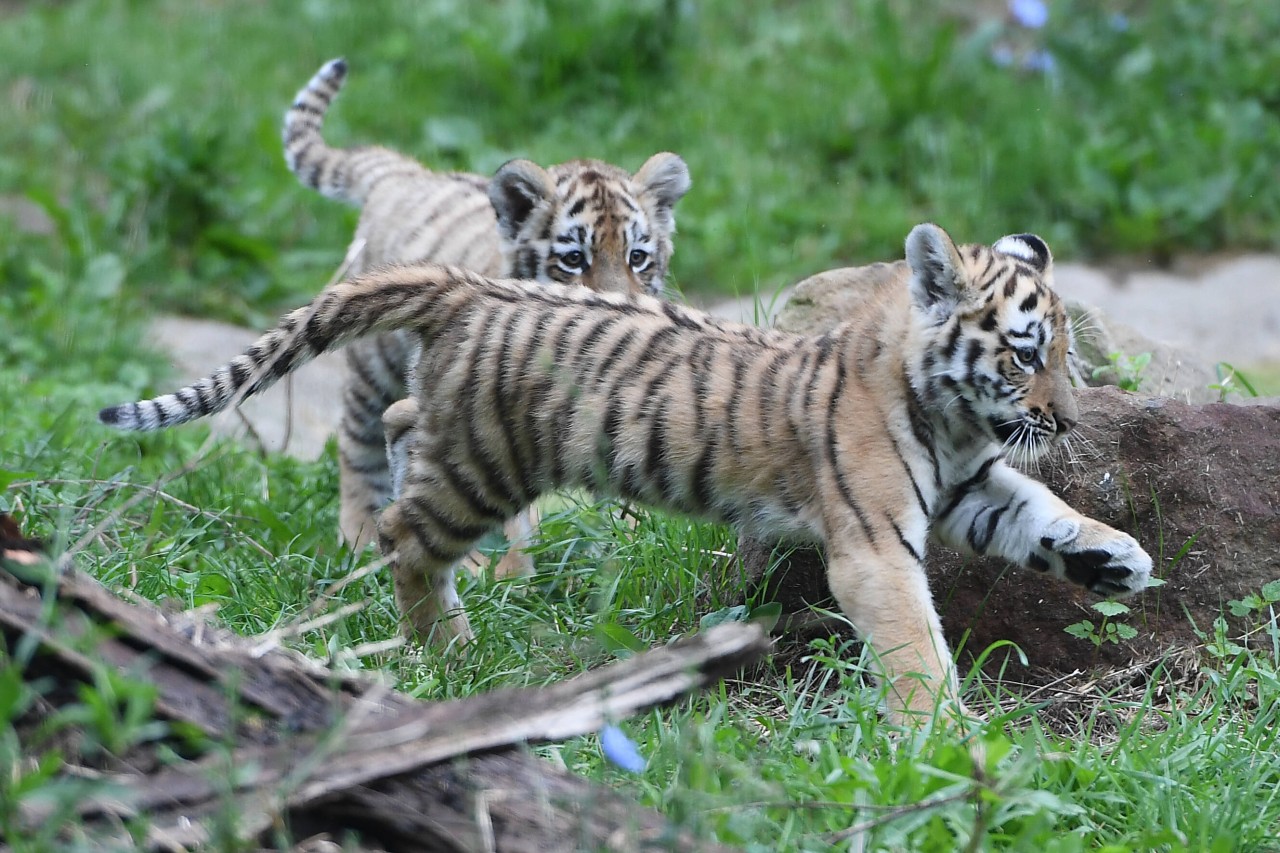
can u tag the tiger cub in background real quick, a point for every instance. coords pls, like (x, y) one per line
(870, 439)
(583, 222)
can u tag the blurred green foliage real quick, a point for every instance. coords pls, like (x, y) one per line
(817, 133)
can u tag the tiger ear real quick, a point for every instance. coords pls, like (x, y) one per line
(1028, 247)
(937, 273)
(519, 191)
(663, 180)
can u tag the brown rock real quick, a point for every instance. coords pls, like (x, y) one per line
(823, 301)
(1171, 371)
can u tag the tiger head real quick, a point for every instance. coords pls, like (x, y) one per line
(997, 339)
(590, 223)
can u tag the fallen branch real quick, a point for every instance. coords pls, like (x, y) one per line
(320, 752)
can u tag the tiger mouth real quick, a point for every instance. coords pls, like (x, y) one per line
(1006, 430)
(1024, 439)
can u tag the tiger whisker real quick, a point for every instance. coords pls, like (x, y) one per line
(1086, 323)
(1039, 444)
(1026, 447)
(1068, 449)
(1086, 329)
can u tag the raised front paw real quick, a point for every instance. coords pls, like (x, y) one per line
(1096, 556)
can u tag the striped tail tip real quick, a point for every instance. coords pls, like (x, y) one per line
(334, 69)
(135, 416)
(114, 416)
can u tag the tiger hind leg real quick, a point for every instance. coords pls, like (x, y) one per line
(435, 520)
(422, 571)
(361, 497)
(398, 421)
(375, 381)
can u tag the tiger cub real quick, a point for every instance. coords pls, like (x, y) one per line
(582, 222)
(870, 439)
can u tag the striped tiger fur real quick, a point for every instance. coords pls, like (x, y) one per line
(582, 222)
(870, 439)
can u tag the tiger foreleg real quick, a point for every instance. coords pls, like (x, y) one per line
(886, 596)
(1012, 516)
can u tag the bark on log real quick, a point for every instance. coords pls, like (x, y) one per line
(1198, 485)
(322, 753)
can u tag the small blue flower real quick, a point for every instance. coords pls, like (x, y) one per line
(1040, 60)
(1119, 22)
(1032, 14)
(620, 749)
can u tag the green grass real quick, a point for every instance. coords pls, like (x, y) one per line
(817, 134)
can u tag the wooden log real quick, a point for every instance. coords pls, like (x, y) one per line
(322, 753)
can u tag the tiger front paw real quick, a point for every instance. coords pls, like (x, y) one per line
(1096, 556)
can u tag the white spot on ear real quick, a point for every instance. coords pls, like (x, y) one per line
(1028, 247)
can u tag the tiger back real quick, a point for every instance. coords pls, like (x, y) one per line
(886, 433)
(582, 222)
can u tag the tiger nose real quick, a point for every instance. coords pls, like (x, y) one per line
(608, 276)
(1064, 424)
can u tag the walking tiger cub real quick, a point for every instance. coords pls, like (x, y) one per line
(869, 439)
(582, 222)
